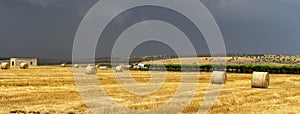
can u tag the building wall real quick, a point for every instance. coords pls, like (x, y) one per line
(18, 61)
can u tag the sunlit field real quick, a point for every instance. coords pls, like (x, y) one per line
(51, 89)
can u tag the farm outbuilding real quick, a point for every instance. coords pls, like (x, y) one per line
(18, 61)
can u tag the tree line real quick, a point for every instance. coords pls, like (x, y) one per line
(239, 68)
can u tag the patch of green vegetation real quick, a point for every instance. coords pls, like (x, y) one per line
(233, 68)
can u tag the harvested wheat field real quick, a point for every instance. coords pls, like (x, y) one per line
(51, 89)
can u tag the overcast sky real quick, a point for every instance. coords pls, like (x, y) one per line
(46, 28)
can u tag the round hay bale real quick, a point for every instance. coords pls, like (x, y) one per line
(64, 65)
(5, 65)
(90, 69)
(24, 66)
(98, 65)
(76, 66)
(119, 69)
(260, 80)
(218, 77)
(103, 67)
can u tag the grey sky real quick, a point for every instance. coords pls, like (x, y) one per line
(46, 28)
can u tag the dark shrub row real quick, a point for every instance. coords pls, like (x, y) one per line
(244, 68)
(107, 65)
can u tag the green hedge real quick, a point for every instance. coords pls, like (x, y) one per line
(107, 65)
(244, 68)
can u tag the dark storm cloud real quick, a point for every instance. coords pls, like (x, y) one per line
(46, 28)
(256, 26)
(40, 29)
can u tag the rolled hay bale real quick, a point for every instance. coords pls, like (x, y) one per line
(76, 66)
(119, 69)
(24, 66)
(218, 77)
(63, 65)
(5, 65)
(90, 69)
(103, 67)
(260, 80)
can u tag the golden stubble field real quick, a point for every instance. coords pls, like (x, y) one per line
(50, 89)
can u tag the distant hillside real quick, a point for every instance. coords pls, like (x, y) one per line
(231, 59)
(134, 59)
(259, 59)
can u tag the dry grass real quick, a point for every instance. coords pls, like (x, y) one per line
(53, 90)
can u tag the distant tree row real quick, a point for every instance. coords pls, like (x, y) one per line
(242, 68)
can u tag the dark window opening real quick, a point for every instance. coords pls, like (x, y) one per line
(30, 63)
(12, 63)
